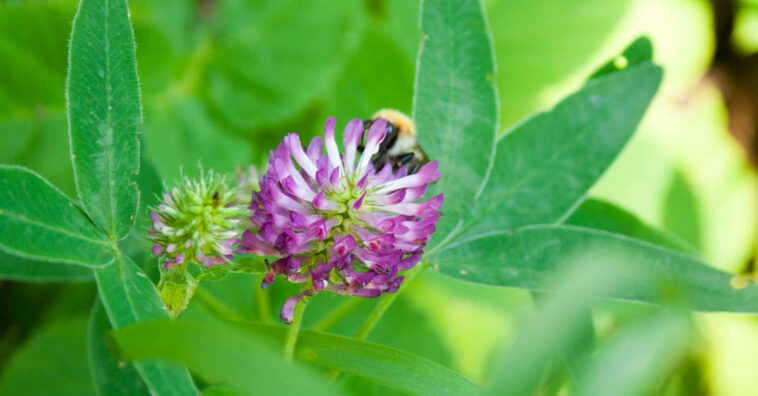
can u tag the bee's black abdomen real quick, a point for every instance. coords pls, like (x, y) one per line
(414, 167)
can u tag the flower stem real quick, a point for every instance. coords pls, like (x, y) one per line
(261, 302)
(378, 312)
(294, 329)
(217, 308)
(384, 304)
(339, 313)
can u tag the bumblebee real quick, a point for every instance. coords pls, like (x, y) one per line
(399, 147)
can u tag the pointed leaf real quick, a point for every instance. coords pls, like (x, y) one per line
(601, 215)
(104, 113)
(545, 166)
(455, 104)
(38, 222)
(531, 257)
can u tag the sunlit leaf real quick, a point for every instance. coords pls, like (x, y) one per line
(638, 358)
(600, 215)
(545, 165)
(519, 368)
(531, 257)
(540, 43)
(681, 212)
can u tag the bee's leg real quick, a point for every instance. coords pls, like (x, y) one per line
(378, 160)
(405, 160)
(394, 163)
(390, 139)
(366, 125)
(414, 166)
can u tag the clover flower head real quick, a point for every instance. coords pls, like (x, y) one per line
(197, 221)
(334, 222)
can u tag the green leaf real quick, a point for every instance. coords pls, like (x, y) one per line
(33, 40)
(601, 215)
(52, 362)
(518, 369)
(639, 357)
(221, 355)
(111, 377)
(129, 297)
(681, 212)
(386, 52)
(186, 131)
(262, 72)
(545, 165)
(24, 270)
(38, 146)
(639, 51)
(104, 113)
(387, 366)
(455, 104)
(530, 257)
(220, 391)
(540, 44)
(38, 222)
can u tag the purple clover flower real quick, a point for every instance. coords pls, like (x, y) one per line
(336, 223)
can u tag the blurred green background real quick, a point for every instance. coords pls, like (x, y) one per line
(224, 80)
